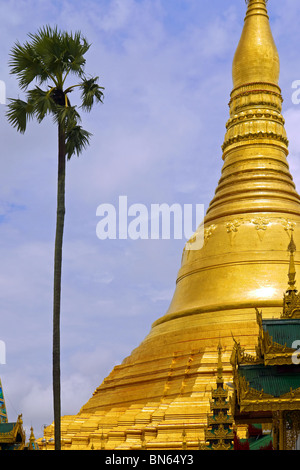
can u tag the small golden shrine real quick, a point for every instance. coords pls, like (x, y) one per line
(218, 433)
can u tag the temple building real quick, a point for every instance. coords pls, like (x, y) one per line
(160, 396)
(12, 434)
(267, 385)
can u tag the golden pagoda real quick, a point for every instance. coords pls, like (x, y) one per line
(159, 397)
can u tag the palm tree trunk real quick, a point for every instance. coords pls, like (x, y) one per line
(60, 217)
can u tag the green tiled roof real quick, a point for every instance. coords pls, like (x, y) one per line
(274, 380)
(284, 331)
(6, 427)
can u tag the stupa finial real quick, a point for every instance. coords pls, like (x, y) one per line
(249, 1)
(220, 365)
(291, 298)
(256, 58)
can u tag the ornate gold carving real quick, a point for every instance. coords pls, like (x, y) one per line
(255, 114)
(289, 226)
(221, 435)
(260, 226)
(291, 305)
(269, 350)
(255, 136)
(251, 394)
(261, 223)
(292, 432)
(232, 228)
(291, 299)
(240, 356)
(221, 417)
(208, 232)
(259, 91)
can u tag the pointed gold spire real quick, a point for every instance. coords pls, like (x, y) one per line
(292, 269)
(32, 441)
(256, 58)
(255, 175)
(220, 380)
(256, 200)
(291, 298)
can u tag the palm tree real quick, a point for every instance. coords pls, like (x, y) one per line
(49, 58)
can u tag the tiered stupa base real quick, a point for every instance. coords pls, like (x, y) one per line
(161, 403)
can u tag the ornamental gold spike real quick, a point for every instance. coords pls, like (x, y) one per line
(255, 175)
(292, 269)
(220, 365)
(256, 58)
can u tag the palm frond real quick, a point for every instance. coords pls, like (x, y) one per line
(76, 47)
(60, 52)
(41, 102)
(50, 54)
(19, 112)
(26, 65)
(67, 116)
(91, 92)
(77, 139)
(48, 58)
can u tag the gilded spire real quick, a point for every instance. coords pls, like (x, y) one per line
(291, 298)
(292, 269)
(255, 175)
(220, 366)
(256, 58)
(32, 441)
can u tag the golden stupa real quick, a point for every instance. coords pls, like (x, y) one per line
(158, 398)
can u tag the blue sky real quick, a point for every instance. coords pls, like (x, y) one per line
(166, 69)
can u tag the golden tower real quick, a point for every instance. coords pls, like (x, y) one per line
(158, 398)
